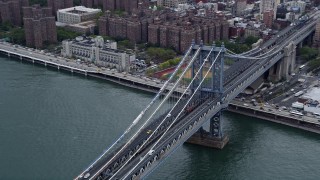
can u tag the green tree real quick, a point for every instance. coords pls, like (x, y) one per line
(174, 61)
(314, 64)
(251, 40)
(125, 44)
(234, 47)
(63, 34)
(160, 54)
(164, 65)
(17, 36)
(6, 26)
(308, 53)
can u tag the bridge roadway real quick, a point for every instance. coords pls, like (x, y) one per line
(192, 123)
(182, 130)
(282, 35)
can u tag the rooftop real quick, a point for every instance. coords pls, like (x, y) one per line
(79, 10)
(313, 94)
(90, 42)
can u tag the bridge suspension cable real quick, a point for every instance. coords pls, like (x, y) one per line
(139, 117)
(154, 112)
(176, 118)
(255, 57)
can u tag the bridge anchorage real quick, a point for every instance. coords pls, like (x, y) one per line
(214, 138)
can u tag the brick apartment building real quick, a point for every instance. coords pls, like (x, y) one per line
(39, 26)
(124, 5)
(165, 28)
(11, 11)
(268, 18)
(59, 4)
(87, 3)
(91, 3)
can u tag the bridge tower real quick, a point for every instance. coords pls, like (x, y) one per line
(212, 88)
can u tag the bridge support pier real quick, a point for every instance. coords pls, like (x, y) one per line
(284, 67)
(214, 138)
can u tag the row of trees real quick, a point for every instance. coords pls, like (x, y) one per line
(169, 63)
(159, 55)
(308, 53)
(311, 55)
(63, 34)
(13, 34)
(238, 47)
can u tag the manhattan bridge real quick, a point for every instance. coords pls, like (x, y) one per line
(172, 118)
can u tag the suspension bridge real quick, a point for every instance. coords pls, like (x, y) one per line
(166, 122)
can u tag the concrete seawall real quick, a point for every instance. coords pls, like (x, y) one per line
(118, 78)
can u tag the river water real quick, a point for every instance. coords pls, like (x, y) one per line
(54, 124)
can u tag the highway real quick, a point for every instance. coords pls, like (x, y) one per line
(72, 64)
(284, 113)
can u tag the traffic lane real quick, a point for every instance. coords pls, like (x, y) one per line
(169, 136)
(279, 111)
(140, 138)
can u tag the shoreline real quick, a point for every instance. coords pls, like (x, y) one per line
(151, 86)
(62, 64)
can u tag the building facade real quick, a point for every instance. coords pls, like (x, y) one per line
(267, 5)
(165, 28)
(11, 11)
(301, 5)
(240, 6)
(39, 26)
(268, 18)
(59, 4)
(171, 3)
(124, 5)
(98, 52)
(76, 14)
(87, 3)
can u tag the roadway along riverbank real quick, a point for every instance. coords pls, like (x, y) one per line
(147, 84)
(271, 114)
(60, 63)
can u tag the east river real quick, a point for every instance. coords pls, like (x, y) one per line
(54, 124)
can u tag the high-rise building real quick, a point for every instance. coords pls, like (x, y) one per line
(87, 3)
(124, 5)
(267, 5)
(240, 7)
(59, 4)
(171, 3)
(163, 28)
(268, 18)
(11, 11)
(39, 26)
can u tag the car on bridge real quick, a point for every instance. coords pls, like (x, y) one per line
(150, 153)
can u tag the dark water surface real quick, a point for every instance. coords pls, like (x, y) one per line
(54, 124)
